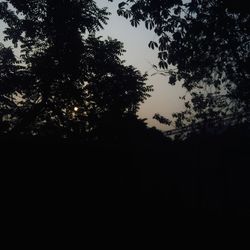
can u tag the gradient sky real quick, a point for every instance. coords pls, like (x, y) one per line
(165, 98)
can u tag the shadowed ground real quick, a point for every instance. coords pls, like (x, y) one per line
(202, 177)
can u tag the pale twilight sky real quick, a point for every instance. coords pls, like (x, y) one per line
(165, 98)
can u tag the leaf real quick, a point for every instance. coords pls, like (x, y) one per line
(121, 5)
(135, 22)
(163, 65)
(162, 119)
(153, 44)
(149, 24)
(172, 79)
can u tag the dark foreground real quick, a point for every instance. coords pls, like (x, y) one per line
(199, 177)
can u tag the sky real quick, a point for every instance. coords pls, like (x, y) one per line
(165, 98)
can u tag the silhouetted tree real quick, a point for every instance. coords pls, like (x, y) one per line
(51, 39)
(206, 45)
(113, 91)
(66, 80)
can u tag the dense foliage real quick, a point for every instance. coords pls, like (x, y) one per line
(68, 83)
(206, 45)
(66, 80)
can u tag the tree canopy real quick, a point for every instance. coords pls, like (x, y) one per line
(66, 80)
(69, 81)
(206, 45)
